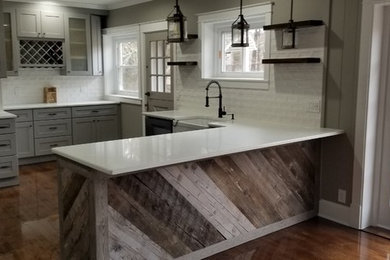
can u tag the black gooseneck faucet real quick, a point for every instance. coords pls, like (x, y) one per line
(221, 111)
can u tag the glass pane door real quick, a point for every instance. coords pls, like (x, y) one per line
(78, 44)
(8, 42)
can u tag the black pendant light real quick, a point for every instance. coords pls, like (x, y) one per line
(177, 25)
(240, 28)
(288, 34)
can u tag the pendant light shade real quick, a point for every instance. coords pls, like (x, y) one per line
(177, 25)
(240, 29)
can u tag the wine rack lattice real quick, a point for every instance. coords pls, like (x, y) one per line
(38, 53)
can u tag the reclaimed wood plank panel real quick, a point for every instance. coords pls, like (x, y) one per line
(163, 214)
(75, 229)
(191, 181)
(126, 241)
(267, 185)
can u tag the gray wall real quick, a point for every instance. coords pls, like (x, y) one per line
(342, 18)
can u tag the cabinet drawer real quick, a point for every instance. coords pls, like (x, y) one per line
(7, 145)
(8, 167)
(52, 113)
(52, 128)
(24, 115)
(7, 126)
(43, 146)
(94, 111)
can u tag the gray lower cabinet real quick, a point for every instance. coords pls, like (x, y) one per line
(25, 139)
(43, 146)
(95, 129)
(40, 130)
(9, 173)
(24, 132)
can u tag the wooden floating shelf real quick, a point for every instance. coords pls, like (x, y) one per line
(182, 63)
(291, 60)
(299, 24)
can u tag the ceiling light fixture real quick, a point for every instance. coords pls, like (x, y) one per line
(177, 25)
(240, 28)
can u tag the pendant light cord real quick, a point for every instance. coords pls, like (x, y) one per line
(240, 7)
(291, 10)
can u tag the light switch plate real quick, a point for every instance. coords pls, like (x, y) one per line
(342, 196)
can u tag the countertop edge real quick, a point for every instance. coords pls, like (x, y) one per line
(120, 172)
(54, 105)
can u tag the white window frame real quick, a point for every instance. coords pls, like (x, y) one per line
(111, 37)
(219, 74)
(209, 23)
(116, 42)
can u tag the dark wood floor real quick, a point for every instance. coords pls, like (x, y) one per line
(29, 229)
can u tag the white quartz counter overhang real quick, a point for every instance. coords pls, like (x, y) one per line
(54, 105)
(120, 157)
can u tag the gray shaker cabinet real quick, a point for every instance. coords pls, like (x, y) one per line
(95, 129)
(95, 124)
(25, 139)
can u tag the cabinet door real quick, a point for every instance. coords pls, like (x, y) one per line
(29, 23)
(11, 42)
(83, 130)
(96, 42)
(24, 139)
(78, 45)
(106, 128)
(52, 25)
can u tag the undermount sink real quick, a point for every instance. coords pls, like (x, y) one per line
(197, 124)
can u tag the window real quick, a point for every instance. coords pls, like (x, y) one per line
(121, 56)
(240, 62)
(220, 60)
(127, 76)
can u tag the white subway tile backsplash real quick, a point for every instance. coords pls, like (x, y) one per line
(291, 87)
(28, 87)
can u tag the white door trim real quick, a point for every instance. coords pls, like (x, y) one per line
(366, 111)
(147, 28)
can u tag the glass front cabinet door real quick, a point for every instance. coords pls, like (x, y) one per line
(78, 45)
(10, 40)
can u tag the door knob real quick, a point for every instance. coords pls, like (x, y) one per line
(147, 94)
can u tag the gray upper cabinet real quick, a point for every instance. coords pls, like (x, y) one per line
(40, 24)
(11, 43)
(78, 45)
(3, 66)
(96, 41)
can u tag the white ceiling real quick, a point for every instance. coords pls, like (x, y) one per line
(93, 4)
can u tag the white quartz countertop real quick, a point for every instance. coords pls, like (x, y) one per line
(6, 115)
(49, 105)
(125, 156)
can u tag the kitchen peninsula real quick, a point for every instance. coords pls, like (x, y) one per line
(186, 195)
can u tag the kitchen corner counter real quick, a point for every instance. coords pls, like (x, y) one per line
(53, 105)
(6, 115)
(187, 195)
(120, 157)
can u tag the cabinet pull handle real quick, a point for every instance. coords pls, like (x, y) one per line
(4, 145)
(53, 128)
(52, 114)
(5, 167)
(3, 127)
(53, 145)
(95, 111)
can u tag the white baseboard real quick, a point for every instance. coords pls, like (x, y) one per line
(335, 212)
